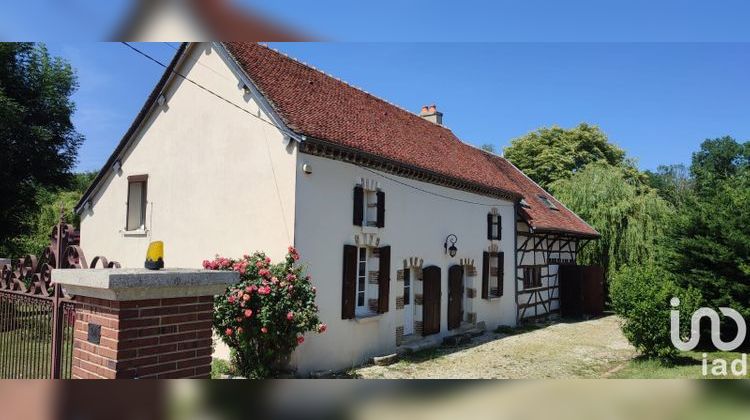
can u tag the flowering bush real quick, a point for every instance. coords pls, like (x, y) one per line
(264, 317)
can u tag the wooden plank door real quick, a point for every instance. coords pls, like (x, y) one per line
(455, 296)
(593, 290)
(431, 300)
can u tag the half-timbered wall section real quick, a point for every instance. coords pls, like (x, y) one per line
(538, 258)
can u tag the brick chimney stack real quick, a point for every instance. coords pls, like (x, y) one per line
(431, 114)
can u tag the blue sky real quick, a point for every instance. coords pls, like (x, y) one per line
(434, 20)
(657, 101)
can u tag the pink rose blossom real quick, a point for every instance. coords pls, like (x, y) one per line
(240, 330)
(268, 260)
(290, 315)
(322, 328)
(229, 332)
(231, 299)
(245, 297)
(248, 313)
(300, 339)
(291, 277)
(248, 289)
(264, 330)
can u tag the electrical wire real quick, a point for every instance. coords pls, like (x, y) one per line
(211, 92)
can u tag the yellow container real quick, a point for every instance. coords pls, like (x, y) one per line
(155, 256)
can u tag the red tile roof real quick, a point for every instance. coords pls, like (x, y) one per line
(317, 105)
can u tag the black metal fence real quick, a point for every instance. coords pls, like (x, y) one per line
(37, 319)
(30, 345)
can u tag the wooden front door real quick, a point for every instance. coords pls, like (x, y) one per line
(455, 296)
(431, 300)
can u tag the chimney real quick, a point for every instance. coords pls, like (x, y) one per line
(431, 114)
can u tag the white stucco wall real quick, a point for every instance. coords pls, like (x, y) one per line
(220, 181)
(416, 225)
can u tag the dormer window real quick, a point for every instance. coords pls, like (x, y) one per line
(525, 204)
(369, 207)
(547, 202)
(494, 228)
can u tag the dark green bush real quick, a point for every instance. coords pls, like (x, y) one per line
(641, 296)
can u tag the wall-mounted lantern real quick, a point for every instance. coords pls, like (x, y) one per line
(452, 239)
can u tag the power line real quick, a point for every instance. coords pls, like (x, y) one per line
(431, 192)
(211, 92)
(207, 90)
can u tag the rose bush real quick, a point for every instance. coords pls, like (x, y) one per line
(265, 316)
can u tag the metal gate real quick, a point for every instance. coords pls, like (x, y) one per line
(37, 319)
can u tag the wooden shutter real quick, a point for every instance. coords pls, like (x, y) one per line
(499, 227)
(384, 279)
(489, 226)
(381, 209)
(349, 289)
(500, 272)
(359, 210)
(486, 275)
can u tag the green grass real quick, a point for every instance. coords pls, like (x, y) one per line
(688, 365)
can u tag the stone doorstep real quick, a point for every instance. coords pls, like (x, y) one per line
(385, 360)
(413, 344)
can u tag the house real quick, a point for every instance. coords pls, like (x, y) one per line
(408, 233)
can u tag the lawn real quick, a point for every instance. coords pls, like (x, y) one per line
(688, 365)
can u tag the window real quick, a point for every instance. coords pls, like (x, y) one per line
(136, 208)
(494, 228)
(532, 277)
(407, 287)
(369, 207)
(493, 274)
(361, 277)
(547, 202)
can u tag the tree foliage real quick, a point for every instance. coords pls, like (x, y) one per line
(50, 203)
(38, 140)
(631, 222)
(552, 154)
(672, 182)
(709, 243)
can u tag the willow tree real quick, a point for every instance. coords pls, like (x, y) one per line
(631, 220)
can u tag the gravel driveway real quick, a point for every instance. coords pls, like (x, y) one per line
(586, 349)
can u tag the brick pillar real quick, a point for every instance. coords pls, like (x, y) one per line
(147, 339)
(143, 324)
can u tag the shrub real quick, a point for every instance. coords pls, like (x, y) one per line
(264, 317)
(641, 296)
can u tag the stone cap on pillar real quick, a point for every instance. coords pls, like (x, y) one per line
(124, 284)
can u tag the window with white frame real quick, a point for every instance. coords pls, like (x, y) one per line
(494, 226)
(136, 204)
(362, 280)
(371, 208)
